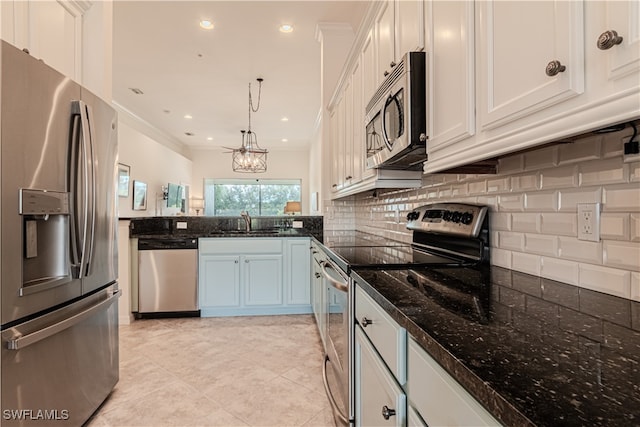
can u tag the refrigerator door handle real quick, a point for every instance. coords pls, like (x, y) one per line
(86, 118)
(27, 340)
(72, 185)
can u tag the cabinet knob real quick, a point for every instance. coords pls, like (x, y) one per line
(334, 185)
(386, 73)
(387, 412)
(236, 261)
(554, 67)
(246, 261)
(349, 177)
(392, 64)
(608, 39)
(366, 322)
(318, 275)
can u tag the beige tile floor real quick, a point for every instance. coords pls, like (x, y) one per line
(238, 371)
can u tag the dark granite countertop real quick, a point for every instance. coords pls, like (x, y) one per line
(551, 354)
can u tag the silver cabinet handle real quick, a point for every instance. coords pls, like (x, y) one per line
(387, 412)
(318, 275)
(366, 322)
(554, 67)
(27, 340)
(327, 389)
(236, 261)
(608, 39)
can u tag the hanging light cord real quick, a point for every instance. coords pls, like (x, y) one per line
(251, 108)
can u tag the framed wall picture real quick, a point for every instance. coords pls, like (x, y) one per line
(124, 172)
(139, 196)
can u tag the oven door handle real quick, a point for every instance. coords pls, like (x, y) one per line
(327, 389)
(341, 286)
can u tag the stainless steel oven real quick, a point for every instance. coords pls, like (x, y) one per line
(396, 117)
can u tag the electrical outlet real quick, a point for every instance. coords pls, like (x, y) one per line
(589, 222)
(397, 216)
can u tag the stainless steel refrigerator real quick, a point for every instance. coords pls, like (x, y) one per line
(58, 299)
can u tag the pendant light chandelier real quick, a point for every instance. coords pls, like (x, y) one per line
(250, 158)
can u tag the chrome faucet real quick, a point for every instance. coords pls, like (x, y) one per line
(247, 220)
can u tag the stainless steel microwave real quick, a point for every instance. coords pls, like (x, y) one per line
(395, 119)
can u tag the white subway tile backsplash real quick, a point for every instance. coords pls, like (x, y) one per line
(579, 250)
(530, 181)
(499, 185)
(634, 227)
(511, 164)
(510, 203)
(587, 149)
(621, 254)
(541, 201)
(560, 270)
(501, 257)
(499, 221)
(525, 222)
(568, 199)
(635, 286)
(543, 158)
(607, 280)
(541, 244)
(610, 171)
(526, 263)
(622, 198)
(533, 212)
(559, 177)
(562, 224)
(510, 240)
(614, 226)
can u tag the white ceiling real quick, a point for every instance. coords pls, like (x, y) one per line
(182, 69)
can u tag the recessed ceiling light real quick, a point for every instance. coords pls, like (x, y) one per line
(286, 28)
(285, 119)
(206, 24)
(285, 140)
(210, 138)
(188, 116)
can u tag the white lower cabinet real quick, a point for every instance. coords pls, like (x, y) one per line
(437, 398)
(253, 276)
(379, 399)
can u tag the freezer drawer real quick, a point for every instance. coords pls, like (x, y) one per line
(58, 368)
(167, 281)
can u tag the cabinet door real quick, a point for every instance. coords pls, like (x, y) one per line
(369, 68)
(347, 140)
(335, 155)
(262, 279)
(357, 124)
(385, 39)
(409, 26)
(298, 272)
(517, 44)
(379, 399)
(219, 281)
(623, 58)
(451, 80)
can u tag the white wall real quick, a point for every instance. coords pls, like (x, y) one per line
(153, 163)
(280, 165)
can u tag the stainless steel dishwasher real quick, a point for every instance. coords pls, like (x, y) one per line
(167, 277)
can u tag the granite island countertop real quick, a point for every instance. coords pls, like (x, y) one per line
(551, 354)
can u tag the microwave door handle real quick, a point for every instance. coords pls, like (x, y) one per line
(86, 117)
(385, 135)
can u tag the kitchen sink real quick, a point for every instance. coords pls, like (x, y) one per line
(243, 232)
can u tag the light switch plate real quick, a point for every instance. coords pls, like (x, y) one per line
(589, 222)
(296, 224)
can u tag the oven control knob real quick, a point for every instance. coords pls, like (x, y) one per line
(446, 215)
(456, 216)
(467, 218)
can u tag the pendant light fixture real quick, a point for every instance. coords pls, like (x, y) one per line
(250, 158)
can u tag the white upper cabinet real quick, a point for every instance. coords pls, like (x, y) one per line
(369, 67)
(50, 30)
(620, 37)
(357, 125)
(399, 29)
(451, 76)
(530, 56)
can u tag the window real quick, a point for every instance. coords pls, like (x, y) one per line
(260, 197)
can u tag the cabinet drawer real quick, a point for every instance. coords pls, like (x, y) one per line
(389, 339)
(239, 245)
(439, 399)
